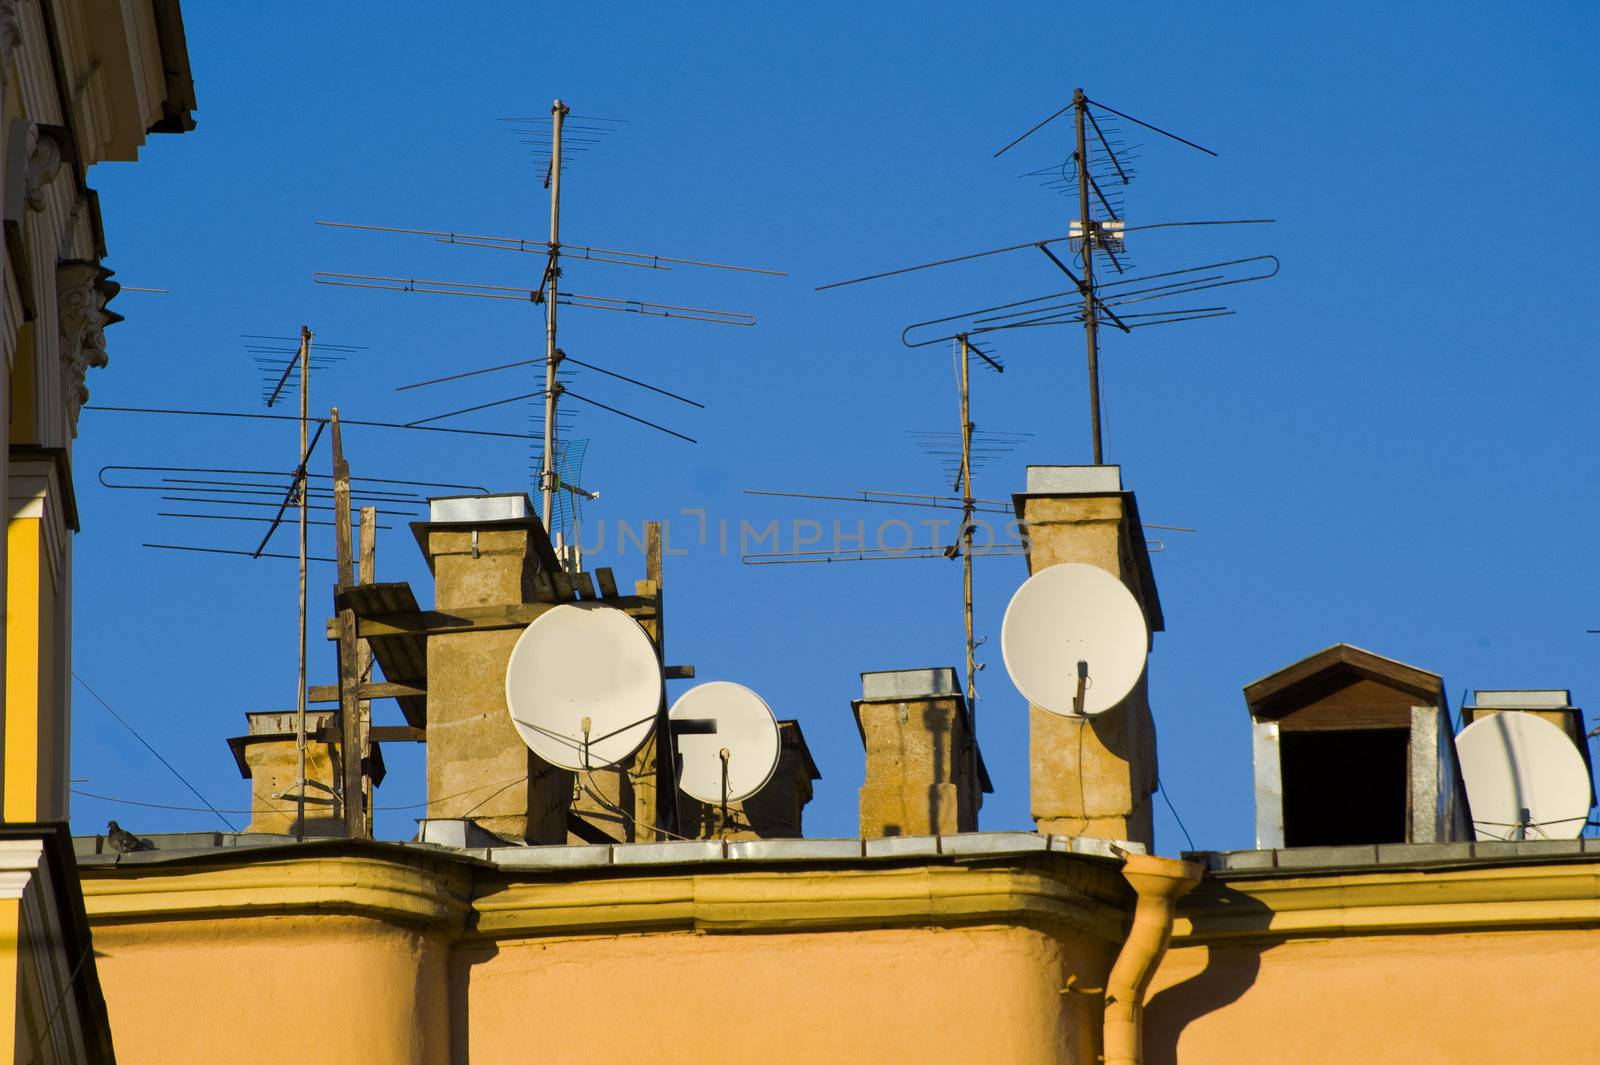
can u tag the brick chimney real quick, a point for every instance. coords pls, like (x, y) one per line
(1092, 776)
(485, 551)
(269, 757)
(924, 773)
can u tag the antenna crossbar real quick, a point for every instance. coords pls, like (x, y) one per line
(649, 260)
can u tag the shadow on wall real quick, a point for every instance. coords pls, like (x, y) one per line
(934, 721)
(464, 961)
(1230, 970)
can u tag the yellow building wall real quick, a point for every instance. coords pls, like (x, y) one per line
(1407, 1000)
(276, 989)
(422, 960)
(985, 994)
(10, 983)
(334, 989)
(30, 654)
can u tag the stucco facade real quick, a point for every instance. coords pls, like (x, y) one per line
(687, 955)
(708, 951)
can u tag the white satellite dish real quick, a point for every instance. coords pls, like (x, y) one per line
(721, 724)
(583, 686)
(1074, 639)
(1525, 778)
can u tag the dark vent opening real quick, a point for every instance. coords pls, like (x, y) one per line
(1345, 787)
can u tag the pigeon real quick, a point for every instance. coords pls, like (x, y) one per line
(122, 841)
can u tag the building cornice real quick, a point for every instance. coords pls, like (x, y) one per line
(1071, 895)
(470, 898)
(1503, 897)
(409, 890)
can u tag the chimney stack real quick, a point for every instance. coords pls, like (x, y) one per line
(268, 757)
(1092, 776)
(485, 551)
(925, 775)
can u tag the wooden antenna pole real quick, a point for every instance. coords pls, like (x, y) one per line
(547, 480)
(668, 815)
(1091, 324)
(300, 490)
(349, 668)
(368, 574)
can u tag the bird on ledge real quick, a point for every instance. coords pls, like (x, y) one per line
(122, 841)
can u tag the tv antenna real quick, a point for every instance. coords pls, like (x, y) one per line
(961, 449)
(551, 294)
(239, 497)
(1095, 164)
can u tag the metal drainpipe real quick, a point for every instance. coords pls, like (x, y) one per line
(1160, 883)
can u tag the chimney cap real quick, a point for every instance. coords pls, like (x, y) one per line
(278, 726)
(476, 509)
(1074, 480)
(497, 510)
(893, 685)
(1521, 699)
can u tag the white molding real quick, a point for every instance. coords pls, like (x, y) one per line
(35, 492)
(21, 860)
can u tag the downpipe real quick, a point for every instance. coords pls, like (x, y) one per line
(1159, 883)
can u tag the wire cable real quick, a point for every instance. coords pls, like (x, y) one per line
(170, 767)
(271, 809)
(1162, 788)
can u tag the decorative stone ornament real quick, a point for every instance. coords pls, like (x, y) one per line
(83, 288)
(44, 162)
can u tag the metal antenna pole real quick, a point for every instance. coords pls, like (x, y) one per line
(552, 357)
(966, 531)
(300, 490)
(1091, 324)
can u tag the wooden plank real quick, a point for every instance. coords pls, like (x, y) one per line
(329, 693)
(355, 818)
(585, 585)
(666, 811)
(367, 574)
(424, 623)
(369, 545)
(544, 587)
(652, 573)
(565, 592)
(341, 507)
(398, 734)
(607, 581)
(680, 673)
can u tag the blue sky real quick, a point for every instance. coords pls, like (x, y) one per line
(1391, 444)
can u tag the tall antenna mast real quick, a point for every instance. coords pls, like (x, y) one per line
(304, 358)
(1091, 322)
(967, 508)
(1097, 162)
(552, 354)
(962, 542)
(558, 496)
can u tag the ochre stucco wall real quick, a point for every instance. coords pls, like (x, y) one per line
(333, 989)
(1412, 999)
(983, 994)
(274, 990)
